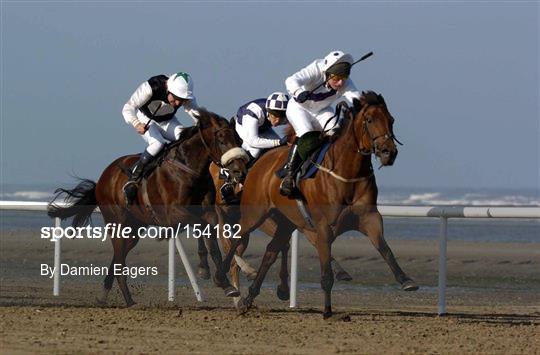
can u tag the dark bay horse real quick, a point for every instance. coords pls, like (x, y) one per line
(180, 190)
(341, 197)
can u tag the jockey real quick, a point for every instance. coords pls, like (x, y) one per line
(151, 111)
(254, 122)
(314, 89)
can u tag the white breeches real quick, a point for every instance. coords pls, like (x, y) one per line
(304, 121)
(159, 134)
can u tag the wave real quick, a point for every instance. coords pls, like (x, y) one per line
(424, 198)
(27, 195)
(467, 199)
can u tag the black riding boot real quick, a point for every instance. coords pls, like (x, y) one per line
(293, 163)
(130, 188)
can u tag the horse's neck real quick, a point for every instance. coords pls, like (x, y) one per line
(344, 157)
(193, 154)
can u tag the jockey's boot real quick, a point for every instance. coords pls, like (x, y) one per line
(293, 163)
(130, 187)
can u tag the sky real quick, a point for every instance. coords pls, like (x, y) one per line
(461, 78)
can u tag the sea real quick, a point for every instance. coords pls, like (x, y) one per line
(470, 230)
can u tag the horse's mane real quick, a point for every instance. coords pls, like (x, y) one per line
(205, 117)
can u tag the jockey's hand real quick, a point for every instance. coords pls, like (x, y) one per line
(283, 140)
(303, 96)
(141, 128)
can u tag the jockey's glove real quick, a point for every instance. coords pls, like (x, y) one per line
(303, 96)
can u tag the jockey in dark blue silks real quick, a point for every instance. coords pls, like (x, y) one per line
(254, 122)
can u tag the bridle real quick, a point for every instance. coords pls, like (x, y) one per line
(365, 130)
(226, 157)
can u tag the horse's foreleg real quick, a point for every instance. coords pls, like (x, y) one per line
(204, 269)
(220, 277)
(371, 225)
(324, 248)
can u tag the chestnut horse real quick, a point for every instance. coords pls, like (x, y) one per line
(341, 197)
(180, 190)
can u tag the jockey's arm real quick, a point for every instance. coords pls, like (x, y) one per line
(251, 127)
(191, 107)
(305, 79)
(138, 99)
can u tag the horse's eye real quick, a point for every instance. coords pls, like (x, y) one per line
(369, 120)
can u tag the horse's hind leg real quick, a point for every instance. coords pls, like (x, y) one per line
(371, 225)
(204, 269)
(283, 291)
(274, 247)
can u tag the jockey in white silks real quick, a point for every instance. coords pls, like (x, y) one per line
(254, 122)
(314, 89)
(151, 111)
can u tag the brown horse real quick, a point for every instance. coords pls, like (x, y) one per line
(180, 190)
(341, 197)
(229, 214)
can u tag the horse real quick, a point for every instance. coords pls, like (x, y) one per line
(179, 190)
(228, 214)
(341, 197)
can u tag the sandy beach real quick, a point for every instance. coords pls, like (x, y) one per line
(492, 301)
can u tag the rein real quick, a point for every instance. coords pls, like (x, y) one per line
(360, 149)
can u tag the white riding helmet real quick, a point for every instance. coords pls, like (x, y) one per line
(336, 57)
(181, 85)
(277, 101)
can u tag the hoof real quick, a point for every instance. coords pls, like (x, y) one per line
(327, 315)
(132, 305)
(343, 276)
(231, 291)
(101, 302)
(409, 285)
(203, 273)
(282, 294)
(242, 306)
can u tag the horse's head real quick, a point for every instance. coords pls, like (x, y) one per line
(220, 140)
(373, 126)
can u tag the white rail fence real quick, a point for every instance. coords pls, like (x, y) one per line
(443, 213)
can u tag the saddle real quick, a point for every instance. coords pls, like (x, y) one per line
(307, 170)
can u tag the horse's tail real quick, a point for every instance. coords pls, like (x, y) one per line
(81, 202)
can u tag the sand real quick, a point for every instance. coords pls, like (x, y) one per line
(492, 302)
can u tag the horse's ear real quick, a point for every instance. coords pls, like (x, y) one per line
(381, 99)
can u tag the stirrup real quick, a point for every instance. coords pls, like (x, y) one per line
(286, 188)
(130, 191)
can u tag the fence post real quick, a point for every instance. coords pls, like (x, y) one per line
(189, 270)
(294, 269)
(57, 245)
(171, 269)
(442, 266)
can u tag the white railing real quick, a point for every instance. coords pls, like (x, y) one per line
(42, 207)
(441, 212)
